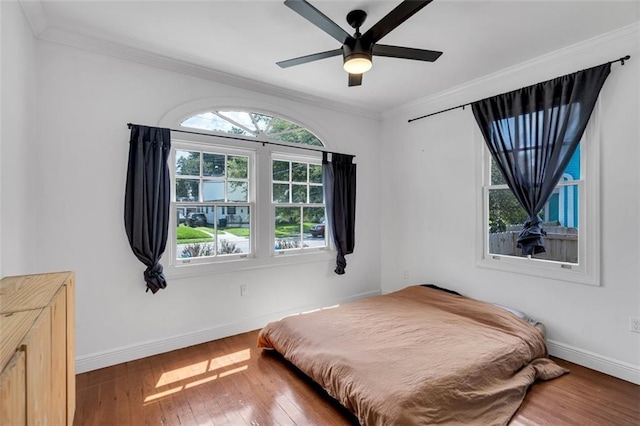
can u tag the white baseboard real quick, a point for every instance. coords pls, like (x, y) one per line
(128, 353)
(610, 366)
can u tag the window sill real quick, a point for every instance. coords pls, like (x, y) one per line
(246, 264)
(541, 269)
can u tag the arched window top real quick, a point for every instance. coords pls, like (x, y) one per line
(252, 124)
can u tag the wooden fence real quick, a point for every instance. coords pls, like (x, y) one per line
(561, 243)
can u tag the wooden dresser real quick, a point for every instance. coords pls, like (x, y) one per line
(37, 349)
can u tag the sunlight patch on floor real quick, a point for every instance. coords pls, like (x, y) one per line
(199, 368)
(194, 370)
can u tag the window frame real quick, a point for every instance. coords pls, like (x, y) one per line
(587, 270)
(262, 254)
(181, 145)
(307, 159)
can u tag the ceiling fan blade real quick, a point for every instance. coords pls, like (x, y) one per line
(309, 58)
(405, 52)
(355, 79)
(397, 16)
(317, 18)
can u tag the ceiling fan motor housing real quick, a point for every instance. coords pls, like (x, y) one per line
(356, 48)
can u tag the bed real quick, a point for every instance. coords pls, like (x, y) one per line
(417, 356)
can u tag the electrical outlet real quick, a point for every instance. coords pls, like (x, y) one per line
(634, 324)
(243, 290)
(405, 274)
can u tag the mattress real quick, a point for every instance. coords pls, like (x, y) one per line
(417, 356)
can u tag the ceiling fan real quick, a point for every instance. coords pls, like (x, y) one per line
(358, 50)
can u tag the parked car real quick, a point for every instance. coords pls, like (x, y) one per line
(317, 230)
(196, 219)
(181, 218)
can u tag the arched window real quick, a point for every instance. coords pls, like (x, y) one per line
(222, 205)
(252, 124)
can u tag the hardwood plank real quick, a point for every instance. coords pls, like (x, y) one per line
(231, 382)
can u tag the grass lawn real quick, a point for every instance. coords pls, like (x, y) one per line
(204, 234)
(284, 231)
(187, 235)
(238, 232)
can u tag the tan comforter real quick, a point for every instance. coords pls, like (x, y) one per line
(417, 356)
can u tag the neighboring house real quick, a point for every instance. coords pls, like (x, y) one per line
(562, 207)
(228, 215)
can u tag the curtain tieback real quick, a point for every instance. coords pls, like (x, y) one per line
(154, 277)
(530, 237)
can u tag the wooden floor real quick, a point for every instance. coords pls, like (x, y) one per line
(230, 382)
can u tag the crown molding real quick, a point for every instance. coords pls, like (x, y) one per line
(35, 15)
(45, 31)
(569, 59)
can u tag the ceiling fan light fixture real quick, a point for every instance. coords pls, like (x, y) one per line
(357, 63)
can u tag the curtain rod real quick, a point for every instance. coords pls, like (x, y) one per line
(249, 140)
(621, 60)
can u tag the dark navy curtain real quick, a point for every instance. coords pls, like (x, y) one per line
(339, 181)
(147, 198)
(532, 134)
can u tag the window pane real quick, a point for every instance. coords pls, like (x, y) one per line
(187, 189)
(180, 217)
(287, 228)
(281, 170)
(210, 121)
(280, 192)
(206, 121)
(195, 237)
(299, 172)
(262, 120)
(234, 231)
(314, 231)
(560, 217)
(561, 224)
(241, 117)
(504, 211)
(299, 194)
(315, 194)
(213, 165)
(315, 173)
(187, 163)
(237, 167)
(237, 191)
(313, 215)
(496, 175)
(252, 124)
(213, 191)
(289, 132)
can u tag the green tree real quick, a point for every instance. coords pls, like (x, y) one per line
(288, 215)
(187, 164)
(504, 209)
(237, 168)
(289, 132)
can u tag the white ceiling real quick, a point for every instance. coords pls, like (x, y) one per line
(247, 38)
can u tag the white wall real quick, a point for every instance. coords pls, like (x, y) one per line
(85, 101)
(18, 87)
(434, 163)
